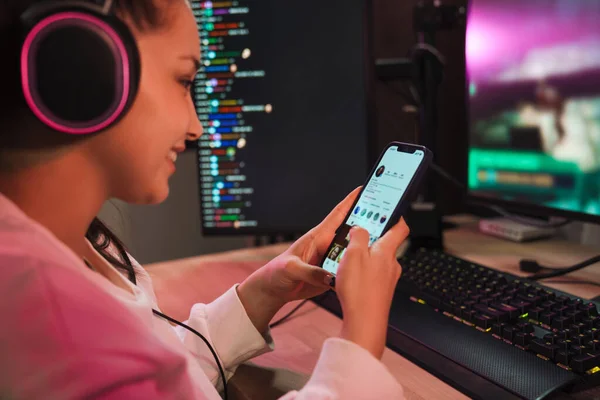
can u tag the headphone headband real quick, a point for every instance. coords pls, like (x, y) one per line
(40, 9)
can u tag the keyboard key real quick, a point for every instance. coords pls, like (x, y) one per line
(524, 287)
(476, 297)
(493, 285)
(506, 299)
(523, 306)
(579, 339)
(492, 312)
(469, 304)
(509, 333)
(561, 310)
(551, 338)
(580, 327)
(589, 309)
(565, 344)
(496, 297)
(548, 305)
(561, 322)
(538, 291)
(485, 300)
(584, 362)
(576, 315)
(547, 317)
(565, 333)
(468, 315)
(483, 321)
(564, 357)
(522, 339)
(548, 295)
(561, 299)
(536, 313)
(594, 333)
(512, 312)
(459, 310)
(498, 328)
(525, 327)
(547, 349)
(530, 298)
(580, 349)
(575, 302)
(594, 345)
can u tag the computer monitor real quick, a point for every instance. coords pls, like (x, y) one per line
(284, 98)
(533, 71)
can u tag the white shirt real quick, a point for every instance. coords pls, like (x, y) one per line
(68, 333)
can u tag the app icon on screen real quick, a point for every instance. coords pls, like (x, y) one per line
(356, 210)
(362, 214)
(380, 171)
(370, 214)
(376, 217)
(383, 219)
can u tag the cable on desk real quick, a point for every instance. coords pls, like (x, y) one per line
(284, 318)
(561, 271)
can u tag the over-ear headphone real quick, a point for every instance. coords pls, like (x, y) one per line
(80, 65)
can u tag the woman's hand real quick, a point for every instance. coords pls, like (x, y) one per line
(365, 285)
(293, 275)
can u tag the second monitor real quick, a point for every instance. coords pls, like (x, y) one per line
(534, 105)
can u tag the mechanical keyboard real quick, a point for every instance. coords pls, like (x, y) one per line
(490, 334)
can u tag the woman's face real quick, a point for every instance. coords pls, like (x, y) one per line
(135, 157)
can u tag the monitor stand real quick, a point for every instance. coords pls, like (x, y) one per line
(508, 229)
(426, 227)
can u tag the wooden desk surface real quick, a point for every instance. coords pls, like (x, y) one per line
(181, 283)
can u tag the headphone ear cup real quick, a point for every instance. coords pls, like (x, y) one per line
(80, 71)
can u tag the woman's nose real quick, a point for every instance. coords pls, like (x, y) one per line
(195, 130)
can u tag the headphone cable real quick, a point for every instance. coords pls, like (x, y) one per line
(158, 313)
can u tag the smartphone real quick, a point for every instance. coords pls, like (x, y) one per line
(388, 191)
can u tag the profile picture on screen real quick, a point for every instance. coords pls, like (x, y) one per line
(380, 171)
(335, 252)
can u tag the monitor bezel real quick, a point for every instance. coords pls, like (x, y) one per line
(370, 141)
(530, 209)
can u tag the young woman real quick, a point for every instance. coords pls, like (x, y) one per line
(76, 308)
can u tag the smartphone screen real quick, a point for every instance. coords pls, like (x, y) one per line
(377, 202)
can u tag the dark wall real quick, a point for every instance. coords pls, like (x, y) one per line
(394, 37)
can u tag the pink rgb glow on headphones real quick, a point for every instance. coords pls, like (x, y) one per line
(80, 66)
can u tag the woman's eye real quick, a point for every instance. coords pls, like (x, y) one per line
(187, 84)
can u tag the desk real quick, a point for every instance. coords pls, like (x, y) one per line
(181, 283)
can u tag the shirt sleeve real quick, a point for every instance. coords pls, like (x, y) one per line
(64, 337)
(344, 370)
(347, 371)
(226, 325)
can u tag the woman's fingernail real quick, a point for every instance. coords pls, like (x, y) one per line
(327, 279)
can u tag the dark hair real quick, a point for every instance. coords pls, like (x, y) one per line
(16, 119)
(102, 238)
